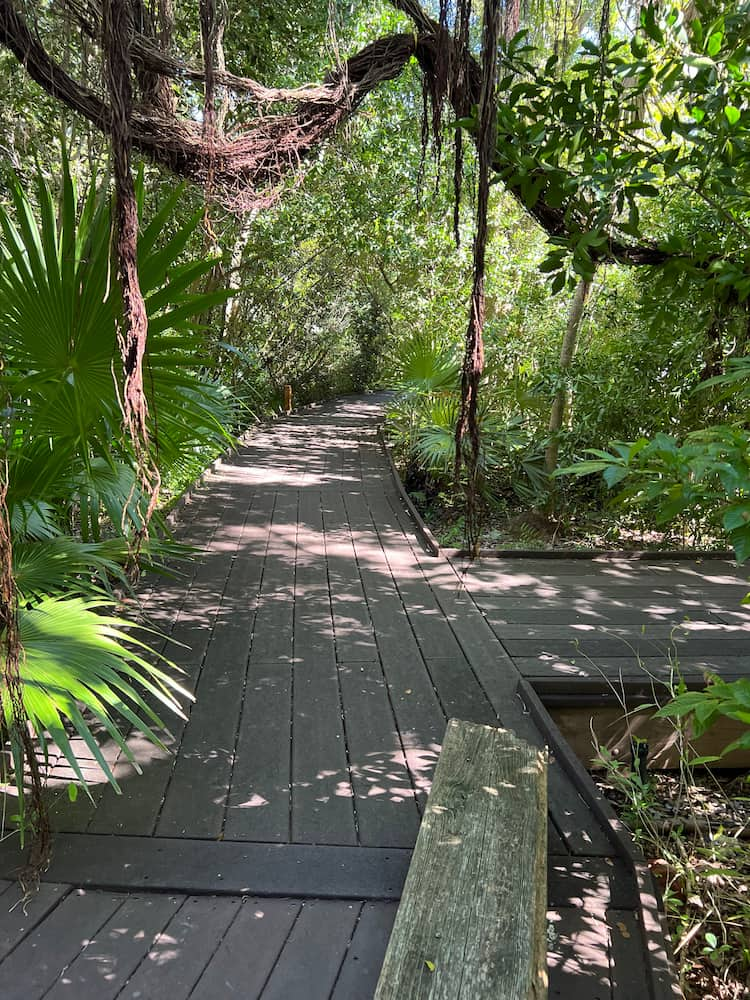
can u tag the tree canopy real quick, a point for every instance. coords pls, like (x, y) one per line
(651, 110)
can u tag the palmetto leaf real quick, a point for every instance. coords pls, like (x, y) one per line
(422, 364)
(435, 440)
(80, 666)
(51, 566)
(70, 467)
(59, 305)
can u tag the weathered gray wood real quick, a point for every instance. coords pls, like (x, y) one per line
(472, 917)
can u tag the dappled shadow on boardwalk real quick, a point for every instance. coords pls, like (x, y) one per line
(326, 652)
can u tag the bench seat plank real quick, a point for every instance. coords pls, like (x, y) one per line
(471, 923)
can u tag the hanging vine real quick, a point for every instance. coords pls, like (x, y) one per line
(14, 723)
(468, 421)
(132, 326)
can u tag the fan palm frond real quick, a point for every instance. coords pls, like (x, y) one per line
(79, 665)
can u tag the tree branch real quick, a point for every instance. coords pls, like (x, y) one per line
(247, 170)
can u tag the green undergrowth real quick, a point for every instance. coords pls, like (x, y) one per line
(693, 828)
(509, 525)
(692, 824)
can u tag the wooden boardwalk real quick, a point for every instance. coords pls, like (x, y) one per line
(265, 855)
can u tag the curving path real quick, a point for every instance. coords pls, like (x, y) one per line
(265, 855)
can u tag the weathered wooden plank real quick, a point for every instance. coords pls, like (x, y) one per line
(309, 964)
(109, 959)
(31, 969)
(364, 959)
(385, 802)
(248, 951)
(180, 953)
(471, 920)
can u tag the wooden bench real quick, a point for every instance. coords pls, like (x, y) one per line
(472, 919)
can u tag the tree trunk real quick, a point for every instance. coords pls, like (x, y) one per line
(567, 353)
(231, 317)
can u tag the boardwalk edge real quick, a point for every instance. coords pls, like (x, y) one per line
(424, 534)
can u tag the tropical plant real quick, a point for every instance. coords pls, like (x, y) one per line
(718, 699)
(58, 306)
(71, 488)
(705, 479)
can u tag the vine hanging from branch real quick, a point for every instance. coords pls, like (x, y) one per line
(250, 164)
(132, 330)
(468, 422)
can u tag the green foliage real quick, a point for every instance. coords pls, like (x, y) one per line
(58, 307)
(705, 479)
(422, 419)
(77, 654)
(425, 365)
(703, 872)
(72, 490)
(704, 708)
(633, 122)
